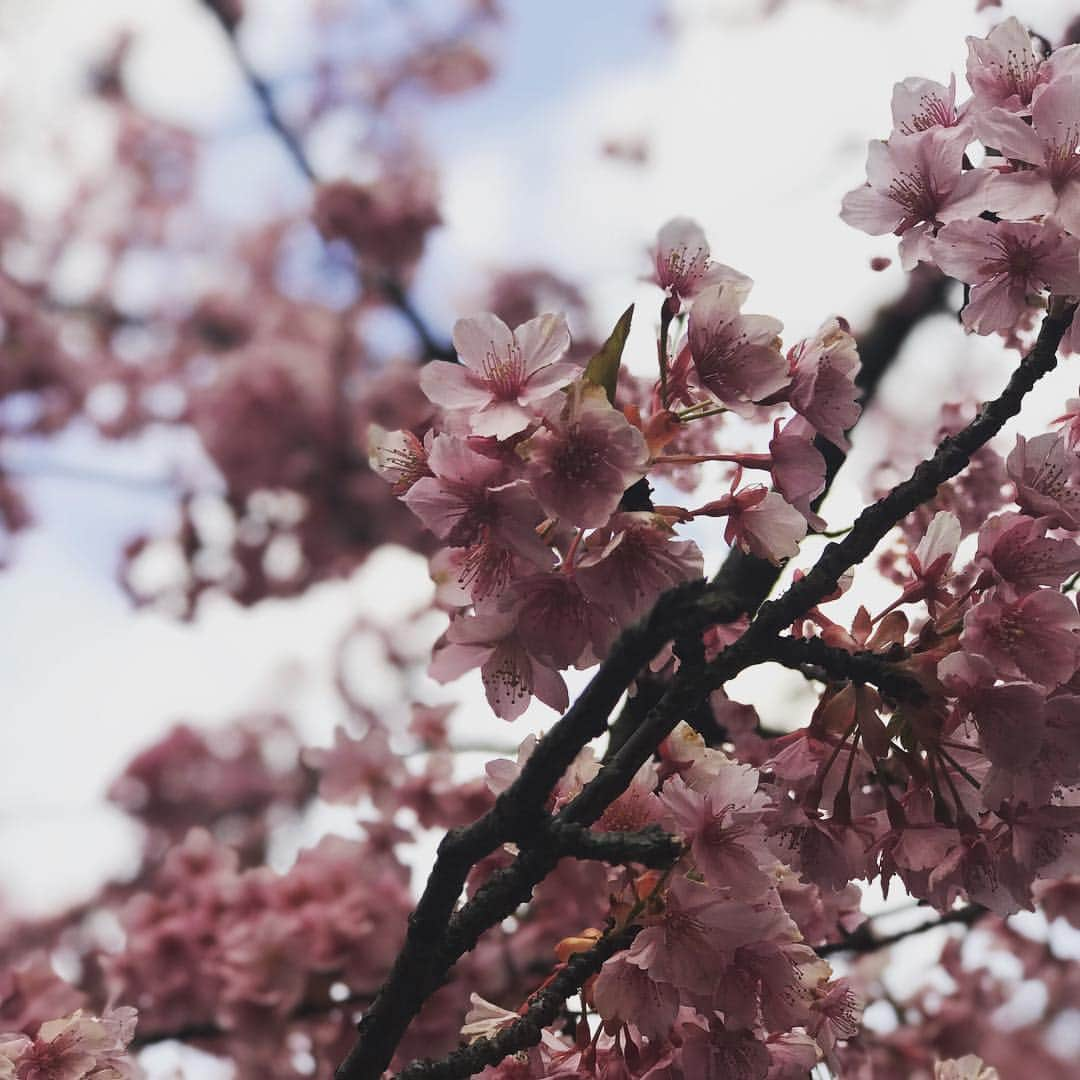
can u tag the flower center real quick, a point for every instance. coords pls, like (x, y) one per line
(504, 374)
(914, 192)
(933, 112)
(579, 457)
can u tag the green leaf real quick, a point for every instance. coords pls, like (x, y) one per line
(603, 368)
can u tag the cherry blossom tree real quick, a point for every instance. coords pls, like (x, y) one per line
(658, 885)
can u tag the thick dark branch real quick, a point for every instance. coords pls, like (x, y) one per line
(843, 666)
(651, 846)
(543, 1009)
(864, 940)
(434, 942)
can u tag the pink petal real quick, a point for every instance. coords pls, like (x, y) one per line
(474, 338)
(1021, 194)
(542, 340)
(500, 419)
(452, 386)
(1008, 133)
(870, 211)
(995, 305)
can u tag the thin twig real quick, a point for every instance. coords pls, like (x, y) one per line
(388, 285)
(863, 940)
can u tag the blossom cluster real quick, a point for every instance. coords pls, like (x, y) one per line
(988, 189)
(75, 1047)
(534, 476)
(722, 979)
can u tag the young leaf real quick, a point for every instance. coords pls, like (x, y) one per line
(603, 368)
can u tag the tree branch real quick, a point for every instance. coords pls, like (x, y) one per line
(844, 666)
(650, 846)
(751, 578)
(863, 940)
(436, 939)
(543, 1009)
(388, 285)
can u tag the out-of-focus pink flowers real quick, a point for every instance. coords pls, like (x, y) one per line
(969, 1067)
(386, 221)
(682, 266)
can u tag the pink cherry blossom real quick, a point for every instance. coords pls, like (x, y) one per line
(504, 375)
(1045, 474)
(798, 468)
(915, 183)
(483, 1020)
(1049, 144)
(760, 522)
(1006, 262)
(682, 266)
(792, 1056)
(556, 623)
(632, 561)
(921, 104)
(836, 1016)
(823, 391)
(1010, 718)
(1016, 549)
(719, 825)
(736, 355)
(399, 457)
(717, 1053)
(584, 458)
(1034, 637)
(1071, 419)
(931, 563)
(691, 943)
(1003, 70)
(511, 676)
(472, 502)
(625, 993)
